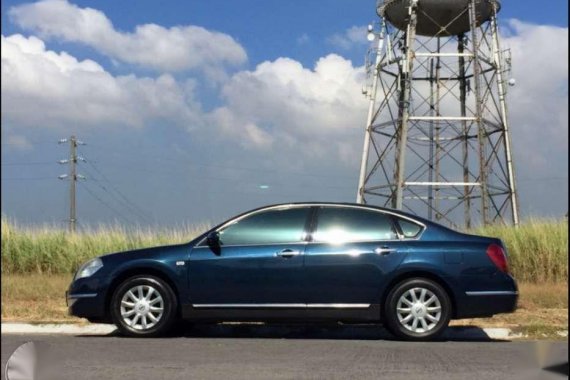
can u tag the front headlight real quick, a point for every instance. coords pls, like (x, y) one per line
(88, 268)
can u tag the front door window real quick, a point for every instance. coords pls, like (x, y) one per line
(279, 226)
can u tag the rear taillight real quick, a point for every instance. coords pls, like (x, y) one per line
(497, 255)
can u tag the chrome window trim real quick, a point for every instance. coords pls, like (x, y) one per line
(298, 205)
(283, 305)
(492, 293)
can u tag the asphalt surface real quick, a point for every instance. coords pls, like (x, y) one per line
(286, 352)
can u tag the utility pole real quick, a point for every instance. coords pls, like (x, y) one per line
(73, 177)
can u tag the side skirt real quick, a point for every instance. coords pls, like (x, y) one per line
(283, 313)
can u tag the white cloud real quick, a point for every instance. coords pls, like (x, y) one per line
(353, 36)
(43, 88)
(321, 112)
(166, 49)
(539, 100)
(284, 104)
(279, 104)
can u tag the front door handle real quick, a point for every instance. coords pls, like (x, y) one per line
(384, 250)
(287, 253)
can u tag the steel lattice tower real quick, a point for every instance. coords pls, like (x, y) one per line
(437, 136)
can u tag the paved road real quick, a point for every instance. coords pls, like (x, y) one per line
(287, 352)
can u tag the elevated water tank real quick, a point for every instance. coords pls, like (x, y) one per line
(432, 15)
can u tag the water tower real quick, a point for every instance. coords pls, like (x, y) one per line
(437, 137)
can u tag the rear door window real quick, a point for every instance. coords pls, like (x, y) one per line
(339, 225)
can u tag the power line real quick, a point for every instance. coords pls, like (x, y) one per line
(29, 143)
(237, 180)
(233, 167)
(25, 179)
(542, 179)
(104, 203)
(123, 201)
(26, 163)
(73, 177)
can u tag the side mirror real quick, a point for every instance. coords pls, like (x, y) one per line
(213, 238)
(213, 241)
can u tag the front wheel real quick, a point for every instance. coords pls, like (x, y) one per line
(143, 306)
(417, 309)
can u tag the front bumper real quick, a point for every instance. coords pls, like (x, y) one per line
(86, 298)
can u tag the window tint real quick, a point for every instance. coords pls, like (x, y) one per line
(267, 227)
(339, 225)
(409, 229)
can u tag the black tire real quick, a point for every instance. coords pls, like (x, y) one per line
(169, 306)
(398, 329)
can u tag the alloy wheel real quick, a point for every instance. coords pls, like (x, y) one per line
(142, 307)
(418, 310)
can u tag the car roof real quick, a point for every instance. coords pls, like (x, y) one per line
(349, 204)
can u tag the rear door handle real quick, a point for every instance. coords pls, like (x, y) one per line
(384, 250)
(287, 253)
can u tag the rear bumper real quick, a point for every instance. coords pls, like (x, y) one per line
(478, 304)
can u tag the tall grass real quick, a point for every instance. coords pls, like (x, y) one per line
(51, 250)
(538, 249)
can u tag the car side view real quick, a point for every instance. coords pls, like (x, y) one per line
(309, 262)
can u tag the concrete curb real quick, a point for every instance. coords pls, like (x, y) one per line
(454, 332)
(55, 328)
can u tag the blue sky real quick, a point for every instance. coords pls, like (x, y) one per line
(270, 29)
(168, 155)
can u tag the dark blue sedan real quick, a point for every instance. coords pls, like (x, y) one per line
(311, 262)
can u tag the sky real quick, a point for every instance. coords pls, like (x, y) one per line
(194, 111)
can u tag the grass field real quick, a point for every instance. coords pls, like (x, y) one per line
(538, 249)
(49, 250)
(38, 263)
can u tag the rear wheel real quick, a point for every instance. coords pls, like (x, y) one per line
(143, 306)
(417, 309)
